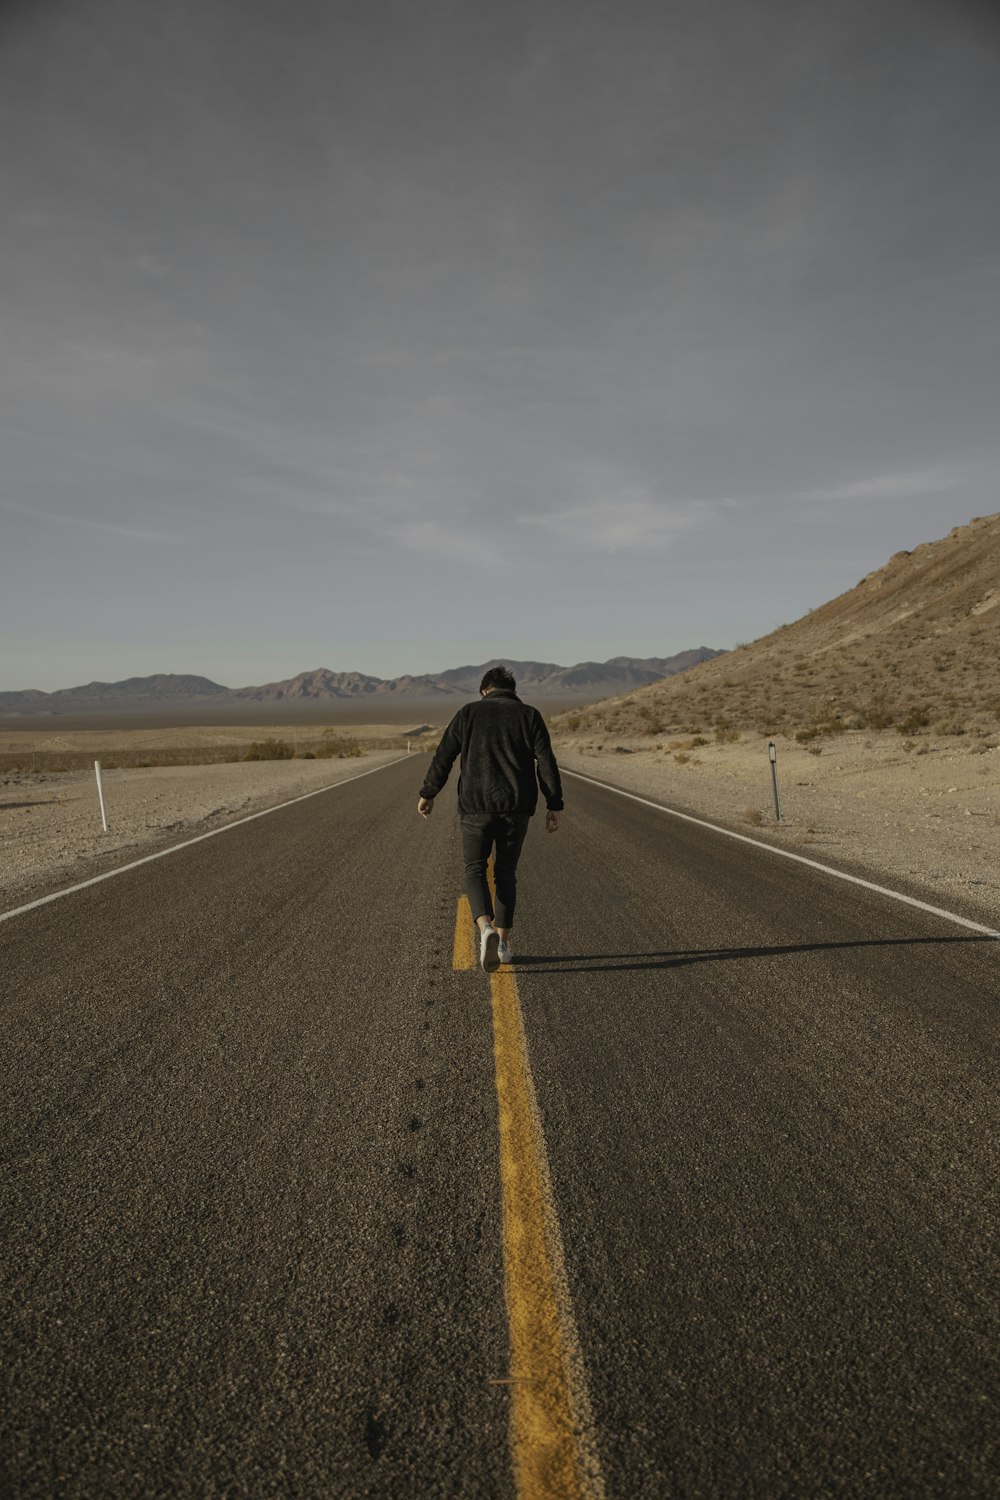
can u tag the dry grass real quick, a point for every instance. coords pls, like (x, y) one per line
(51, 751)
(116, 759)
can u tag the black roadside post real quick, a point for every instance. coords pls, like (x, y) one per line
(772, 756)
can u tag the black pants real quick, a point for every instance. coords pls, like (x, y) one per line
(480, 831)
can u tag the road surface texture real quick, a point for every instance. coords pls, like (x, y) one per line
(253, 1235)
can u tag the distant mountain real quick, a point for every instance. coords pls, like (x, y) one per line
(307, 687)
(914, 645)
(166, 689)
(588, 678)
(584, 682)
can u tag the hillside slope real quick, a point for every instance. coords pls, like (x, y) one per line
(915, 644)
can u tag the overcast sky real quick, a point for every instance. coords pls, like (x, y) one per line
(390, 336)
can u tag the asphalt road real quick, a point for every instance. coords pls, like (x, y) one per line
(251, 1236)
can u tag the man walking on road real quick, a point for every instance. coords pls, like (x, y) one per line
(506, 755)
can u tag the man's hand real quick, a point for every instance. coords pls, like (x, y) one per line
(425, 806)
(551, 822)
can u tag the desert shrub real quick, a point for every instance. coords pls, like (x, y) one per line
(725, 734)
(949, 726)
(876, 715)
(816, 731)
(270, 749)
(337, 746)
(573, 722)
(652, 722)
(113, 760)
(681, 758)
(698, 741)
(916, 718)
(753, 816)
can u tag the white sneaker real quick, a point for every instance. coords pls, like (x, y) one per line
(488, 943)
(505, 953)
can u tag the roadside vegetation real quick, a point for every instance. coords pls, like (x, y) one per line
(328, 744)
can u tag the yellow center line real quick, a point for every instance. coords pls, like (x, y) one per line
(463, 948)
(551, 1428)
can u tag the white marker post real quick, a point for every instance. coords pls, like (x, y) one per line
(772, 756)
(100, 793)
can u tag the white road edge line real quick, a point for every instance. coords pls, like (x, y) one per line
(882, 890)
(174, 848)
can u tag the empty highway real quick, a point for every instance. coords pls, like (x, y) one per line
(698, 1199)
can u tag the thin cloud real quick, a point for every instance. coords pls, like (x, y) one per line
(891, 486)
(92, 523)
(627, 523)
(438, 539)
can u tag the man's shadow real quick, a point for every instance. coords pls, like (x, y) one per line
(616, 963)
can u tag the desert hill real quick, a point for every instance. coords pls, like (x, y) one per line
(915, 645)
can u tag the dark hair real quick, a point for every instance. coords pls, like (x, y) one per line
(498, 677)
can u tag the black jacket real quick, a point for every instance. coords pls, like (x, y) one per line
(501, 741)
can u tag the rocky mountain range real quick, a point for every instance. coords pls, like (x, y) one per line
(915, 646)
(169, 692)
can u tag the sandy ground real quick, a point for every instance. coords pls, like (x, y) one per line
(50, 823)
(927, 819)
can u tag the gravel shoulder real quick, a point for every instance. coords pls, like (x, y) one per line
(924, 820)
(50, 822)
